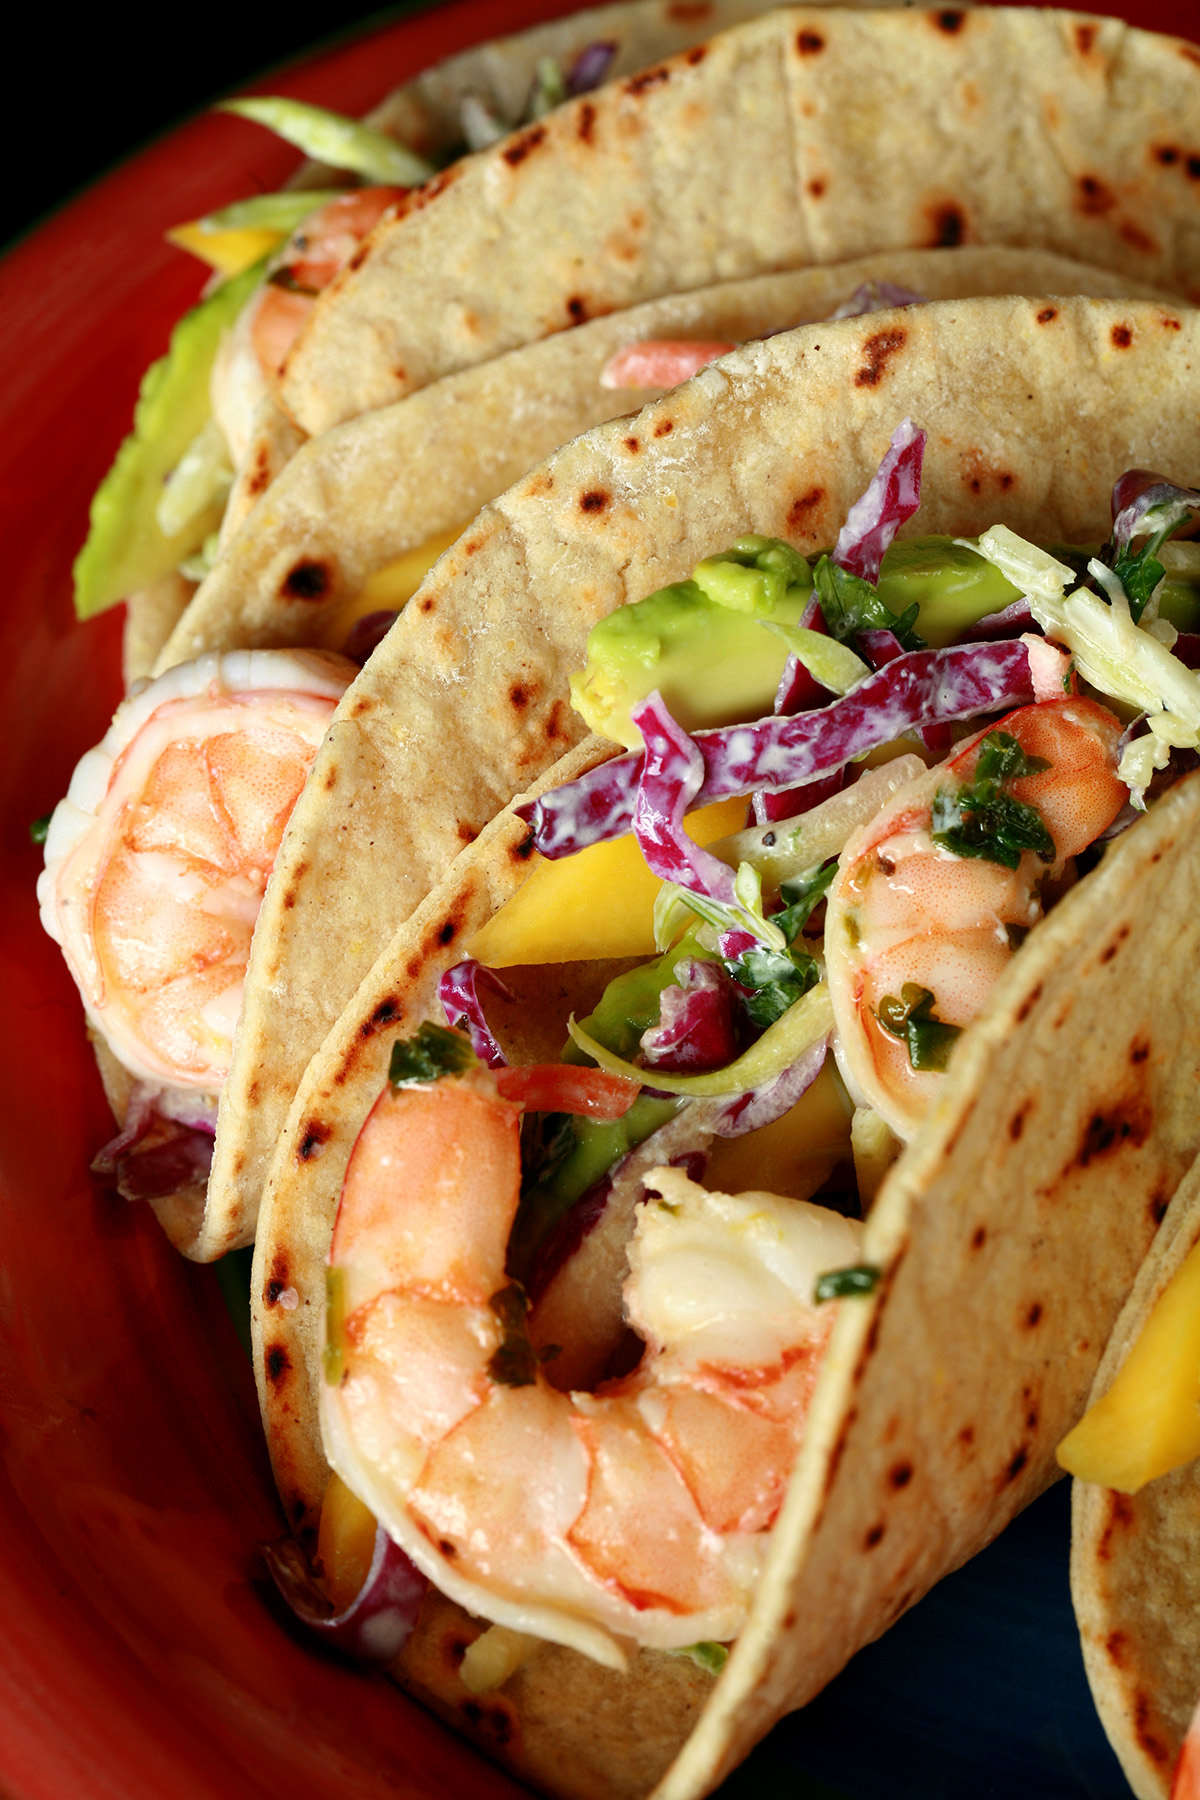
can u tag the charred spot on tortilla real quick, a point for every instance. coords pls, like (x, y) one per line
(447, 932)
(465, 831)
(524, 146)
(577, 309)
(1085, 38)
(1122, 336)
(1095, 198)
(664, 428)
(1016, 1125)
(816, 187)
(1114, 1645)
(587, 122)
(632, 445)
(594, 500)
(689, 12)
(1110, 950)
(648, 78)
(1108, 1131)
(697, 54)
(1033, 1316)
(1158, 1203)
(874, 1535)
(1028, 1003)
(277, 1363)
(949, 20)
(316, 1136)
(809, 43)
(522, 851)
(1166, 154)
(966, 1436)
(428, 604)
(877, 352)
(979, 1237)
(1018, 1462)
(386, 1013)
(260, 476)
(900, 1474)
(518, 697)
(1047, 314)
(1120, 1514)
(801, 508)
(947, 226)
(1137, 239)
(540, 482)
(307, 580)
(1154, 1747)
(496, 1720)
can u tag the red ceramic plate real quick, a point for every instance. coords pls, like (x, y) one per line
(143, 1653)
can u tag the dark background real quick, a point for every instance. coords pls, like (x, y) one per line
(89, 85)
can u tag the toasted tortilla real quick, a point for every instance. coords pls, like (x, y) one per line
(1032, 406)
(1134, 1574)
(367, 491)
(1007, 1237)
(854, 132)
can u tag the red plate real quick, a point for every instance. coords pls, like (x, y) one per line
(143, 1653)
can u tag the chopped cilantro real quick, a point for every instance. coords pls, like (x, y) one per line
(803, 894)
(39, 828)
(433, 1051)
(845, 1284)
(850, 605)
(911, 1017)
(778, 978)
(709, 1657)
(981, 820)
(1139, 573)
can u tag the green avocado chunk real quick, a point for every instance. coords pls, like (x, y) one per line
(954, 587)
(701, 642)
(125, 549)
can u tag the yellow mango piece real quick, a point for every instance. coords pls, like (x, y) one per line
(796, 1154)
(389, 589)
(1149, 1421)
(230, 251)
(494, 1656)
(345, 1543)
(599, 902)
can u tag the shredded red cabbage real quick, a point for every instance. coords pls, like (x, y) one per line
(153, 1155)
(366, 635)
(376, 1625)
(671, 776)
(877, 296)
(697, 1022)
(1011, 621)
(893, 496)
(763, 1105)
(590, 67)
(917, 689)
(1143, 501)
(458, 993)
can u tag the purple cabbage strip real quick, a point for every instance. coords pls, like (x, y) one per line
(590, 67)
(671, 775)
(458, 993)
(1009, 622)
(376, 1625)
(152, 1155)
(1143, 501)
(798, 691)
(877, 296)
(366, 634)
(1187, 648)
(893, 496)
(772, 809)
(697, 1024)
(915, 690)
(762, 1106)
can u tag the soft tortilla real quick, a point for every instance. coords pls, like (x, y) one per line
(1032, 407)
(1134, 1574)
(854, 132)
(365, 492)
(1007, 1234)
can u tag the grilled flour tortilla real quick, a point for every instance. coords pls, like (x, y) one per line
(1134, 1575)
(1006, 1235)
(805, 136)
(376, 488)
(465, 702)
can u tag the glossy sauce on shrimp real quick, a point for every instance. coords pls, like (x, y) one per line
(157, 860)
(906, 912)
(639, 1511)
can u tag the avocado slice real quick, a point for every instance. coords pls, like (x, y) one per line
(953, 586)
(125, 549)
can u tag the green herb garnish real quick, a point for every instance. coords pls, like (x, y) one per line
(39, 828)
(778, 978)
(983, 821)
(846, 1284)
(516, 1362)
(709, 1657)
(850, 605)
(434, 1050)
(911, 1017)
(333, 1356)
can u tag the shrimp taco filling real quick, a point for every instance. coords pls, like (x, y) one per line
(525, 1268)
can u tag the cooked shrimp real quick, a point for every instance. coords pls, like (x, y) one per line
(906, 912)
(251, 357)
(157, 859)
(661, 362)
(639, 1511)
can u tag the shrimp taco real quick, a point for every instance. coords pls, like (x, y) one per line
(1015, 126)
(611, 1231)
(1136, 1514)
(209, 434)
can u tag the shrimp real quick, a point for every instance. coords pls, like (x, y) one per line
(906, 912)
(639, 1511)
(250, 359)
(157, 859)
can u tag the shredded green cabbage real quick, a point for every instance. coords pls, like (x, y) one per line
(332, 138)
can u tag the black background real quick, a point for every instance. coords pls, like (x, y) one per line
(86, 86)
